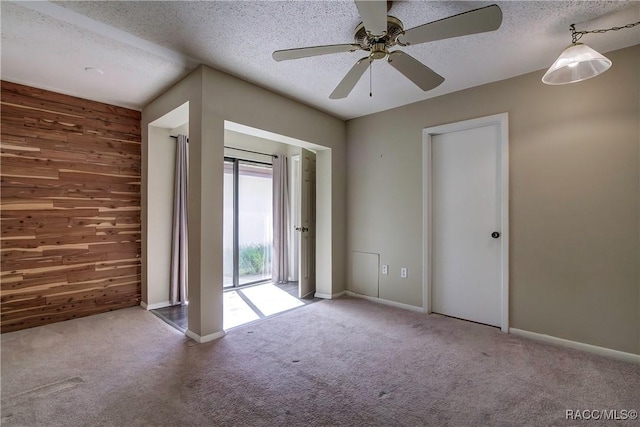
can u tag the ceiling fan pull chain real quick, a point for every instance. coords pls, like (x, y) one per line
(370, 89)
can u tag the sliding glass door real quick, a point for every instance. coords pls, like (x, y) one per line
(255, 222)
(228, 233)
(248, 222)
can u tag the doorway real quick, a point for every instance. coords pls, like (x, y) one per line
(269, 217)
(466, 220)
(155, 296)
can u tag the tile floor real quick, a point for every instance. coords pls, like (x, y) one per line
(243, 305)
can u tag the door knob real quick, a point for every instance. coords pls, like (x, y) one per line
(495, 234)
(302, 229)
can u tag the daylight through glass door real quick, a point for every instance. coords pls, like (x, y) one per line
(248, 222)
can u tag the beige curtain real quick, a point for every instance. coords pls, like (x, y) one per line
(280, 259)
(178, 290)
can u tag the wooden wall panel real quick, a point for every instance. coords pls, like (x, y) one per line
(70, 200)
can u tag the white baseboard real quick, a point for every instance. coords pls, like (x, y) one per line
(601, 351)
(197, 338)
(155, 306)
(329, 296)
(386, 302)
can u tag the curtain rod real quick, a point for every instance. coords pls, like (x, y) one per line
(238, 149)
(249, 151)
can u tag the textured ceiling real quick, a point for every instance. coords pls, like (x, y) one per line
(144, 47)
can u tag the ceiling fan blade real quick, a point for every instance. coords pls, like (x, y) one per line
(305, 52)
(349, 81)
(374, 15)
(424, 77)
(474, 21)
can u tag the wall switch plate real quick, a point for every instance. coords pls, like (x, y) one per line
(404, 272)
(385, 269)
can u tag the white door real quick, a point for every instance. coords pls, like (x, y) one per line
(294, 214)
(466, 188)
(306, 228)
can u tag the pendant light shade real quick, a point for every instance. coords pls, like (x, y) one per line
(578, 62)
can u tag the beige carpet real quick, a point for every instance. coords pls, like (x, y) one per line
(341, 362)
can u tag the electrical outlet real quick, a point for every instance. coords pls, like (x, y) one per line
(404, 272)
(385, 269)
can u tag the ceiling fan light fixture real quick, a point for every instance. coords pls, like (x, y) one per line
(576, 63)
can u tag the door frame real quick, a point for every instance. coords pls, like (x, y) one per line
(502, 121)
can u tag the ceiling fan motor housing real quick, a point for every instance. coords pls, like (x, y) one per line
(378, 45)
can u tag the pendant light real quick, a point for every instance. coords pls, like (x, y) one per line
(579, 62)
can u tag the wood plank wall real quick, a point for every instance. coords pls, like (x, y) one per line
(70, 201)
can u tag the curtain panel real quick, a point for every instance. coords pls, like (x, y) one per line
(178, 290)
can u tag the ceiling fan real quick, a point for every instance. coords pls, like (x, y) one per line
(379, 32)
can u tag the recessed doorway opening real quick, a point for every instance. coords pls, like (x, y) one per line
(254, 161)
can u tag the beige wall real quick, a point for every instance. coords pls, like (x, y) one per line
(232, 99)
(213, 98)
(161, 171)
(574, 198)
(182, 129)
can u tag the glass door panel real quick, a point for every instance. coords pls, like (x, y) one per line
(255, 223)
(227, 232)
